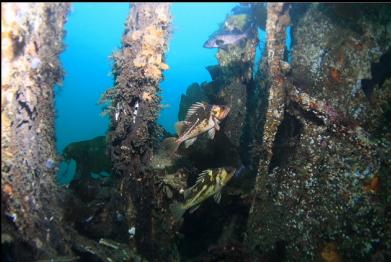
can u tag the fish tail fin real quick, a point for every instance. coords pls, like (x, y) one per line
(170, 145)
(177, 210)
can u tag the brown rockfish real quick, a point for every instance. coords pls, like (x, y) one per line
(200, 118)
(209, 183)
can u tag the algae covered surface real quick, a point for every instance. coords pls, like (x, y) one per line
(282, 155)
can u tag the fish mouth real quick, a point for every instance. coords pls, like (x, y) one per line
(207, 44)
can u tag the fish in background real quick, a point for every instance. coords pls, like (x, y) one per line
(200, 118)
(209, 183)
(224, 39)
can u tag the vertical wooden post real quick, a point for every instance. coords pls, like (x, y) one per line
(32, 39)
(135, 108)
(277, 21)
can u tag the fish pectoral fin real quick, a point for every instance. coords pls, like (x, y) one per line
(201, 177)
(194, 208)
(211, 133)
(180, 127)
(217, 127)
(217, 197)
(224, 47)
(189, 142)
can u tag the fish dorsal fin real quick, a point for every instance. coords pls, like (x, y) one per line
(201, 177)
(189, 142)
(194, 208)
(194, 108)
(217, 196)
(180, 127)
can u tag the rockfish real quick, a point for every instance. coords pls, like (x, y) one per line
(223, 39)
(209, 183)
(200, 118)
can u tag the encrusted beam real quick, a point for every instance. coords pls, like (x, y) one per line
(32, 39)
(276, 23)
(138, 69)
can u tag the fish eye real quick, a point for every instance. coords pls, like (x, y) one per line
(219, 41)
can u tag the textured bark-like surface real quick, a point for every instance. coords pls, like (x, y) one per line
(135, 107)
(327, 188)
(236, 67)
(277, 21)
(32, 39)
(257, 105)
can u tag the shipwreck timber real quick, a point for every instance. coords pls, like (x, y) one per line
(318, 127)
(32, 39)
(324, 171)
(135, 106)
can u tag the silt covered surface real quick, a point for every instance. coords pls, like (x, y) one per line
(326, 192)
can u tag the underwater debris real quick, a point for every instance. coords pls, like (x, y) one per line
(90, 156)
(209, 183)
(200, 118)
(325, 112)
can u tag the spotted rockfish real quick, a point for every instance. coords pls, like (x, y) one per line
(200, 118)
(209, 183)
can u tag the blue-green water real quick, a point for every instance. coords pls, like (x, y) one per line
(94, 31)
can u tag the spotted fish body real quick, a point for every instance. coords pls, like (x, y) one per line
(223, 40)
(209, 183)
(200, 118)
